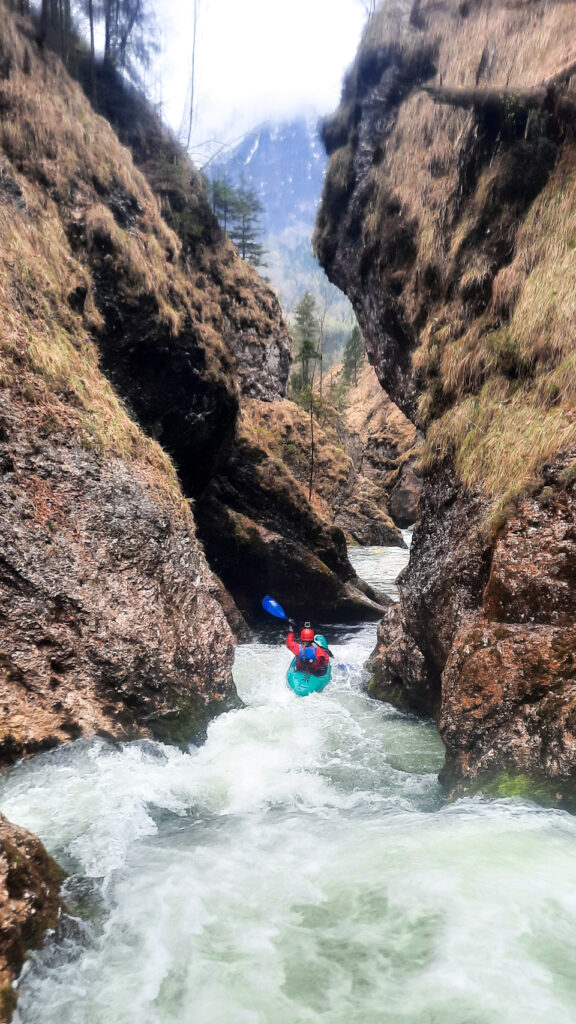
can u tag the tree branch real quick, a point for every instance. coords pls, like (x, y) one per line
(543, 97)
(565, 72)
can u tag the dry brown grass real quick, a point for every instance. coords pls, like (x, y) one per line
(51, 144)
(498, 375)
(522, 412)
(54, 144)
(55, 372)
(71, 168)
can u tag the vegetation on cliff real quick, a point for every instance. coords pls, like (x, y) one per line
(468, 215)
(110, 604)
(448, 216)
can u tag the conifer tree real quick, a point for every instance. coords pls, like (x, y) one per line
(353, 355)
(306, 331)
(224, 198)
(245, 228)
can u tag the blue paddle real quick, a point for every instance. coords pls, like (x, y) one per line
(272, 606)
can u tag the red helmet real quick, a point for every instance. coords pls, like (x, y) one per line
(307, 635)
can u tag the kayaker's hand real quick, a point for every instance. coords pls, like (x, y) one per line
(291, 626)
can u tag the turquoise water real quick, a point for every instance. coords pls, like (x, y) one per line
(298, 868)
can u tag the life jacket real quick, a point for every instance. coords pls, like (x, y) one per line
(306, 661)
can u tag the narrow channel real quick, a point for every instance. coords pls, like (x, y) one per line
(299, 867)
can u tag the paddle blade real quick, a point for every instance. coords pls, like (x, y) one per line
(272, 606)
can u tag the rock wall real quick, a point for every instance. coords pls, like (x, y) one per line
(258, 525)
(448, 219)
(29, 904)
(232, 354)
(109, 609)
(383, 446)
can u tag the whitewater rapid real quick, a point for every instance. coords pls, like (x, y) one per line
(300, 867)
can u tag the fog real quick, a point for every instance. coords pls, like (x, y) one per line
(255, 60)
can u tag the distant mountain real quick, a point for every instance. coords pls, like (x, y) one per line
(285, 165)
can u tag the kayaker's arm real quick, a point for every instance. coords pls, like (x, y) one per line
(292, 644)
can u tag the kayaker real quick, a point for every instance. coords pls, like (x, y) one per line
(311, 653)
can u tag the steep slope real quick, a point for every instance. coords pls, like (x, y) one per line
(109, 606)
(448, 216)
(263, 535)
(382, 443)
(110, 610)
(363, 462)
(293, 548)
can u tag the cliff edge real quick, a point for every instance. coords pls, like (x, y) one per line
(448, 218)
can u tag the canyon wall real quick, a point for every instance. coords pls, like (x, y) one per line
(131, 335)
(449, 219)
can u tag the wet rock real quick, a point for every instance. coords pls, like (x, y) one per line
(509, 685)
(109, 608)
(362, 519)
(401, 675)
(383, 445)
(29, 904)
(276, 544)
(404, 500)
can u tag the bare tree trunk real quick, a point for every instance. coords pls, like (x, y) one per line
(107, 28)
(92, 49)
(44, 15)
(192, 75)
(321, 343)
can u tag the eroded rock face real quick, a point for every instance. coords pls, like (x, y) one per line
(382, 444)
(262, 535)
(109, 610)
(509, 684)
(429, 223)
(29, 904)
(441, 586)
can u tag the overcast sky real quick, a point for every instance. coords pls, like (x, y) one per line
(256, 59)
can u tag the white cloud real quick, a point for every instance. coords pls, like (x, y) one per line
(257, 59)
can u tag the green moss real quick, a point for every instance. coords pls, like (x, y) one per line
(186, 722)
(518, 784)
(389, 692)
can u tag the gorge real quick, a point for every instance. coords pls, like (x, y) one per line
(225, 846)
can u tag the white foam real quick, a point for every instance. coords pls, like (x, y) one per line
(297, 868)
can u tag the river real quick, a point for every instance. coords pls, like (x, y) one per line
(298, 868)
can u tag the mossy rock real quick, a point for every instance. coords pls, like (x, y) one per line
(542, 791)
(7, 1002)
(187, 721)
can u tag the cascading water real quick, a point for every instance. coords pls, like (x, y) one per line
(298, 868)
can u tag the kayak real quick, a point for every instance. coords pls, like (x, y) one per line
(304, 683)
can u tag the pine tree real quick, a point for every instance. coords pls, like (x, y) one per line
(224, 199)
(245, 228)
(353, 355)
(307, 331)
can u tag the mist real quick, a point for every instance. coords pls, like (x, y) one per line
(255, 61)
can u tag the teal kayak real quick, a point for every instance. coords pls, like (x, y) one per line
(304, 683)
